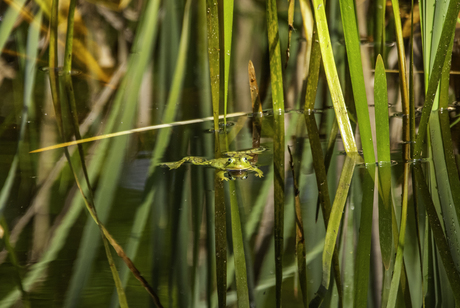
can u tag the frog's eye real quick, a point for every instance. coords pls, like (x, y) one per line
(245, 159)
(230, 160)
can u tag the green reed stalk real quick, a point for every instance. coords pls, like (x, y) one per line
(441, 54)
(382, 127)
(353, 46)
(336, 215)
(332, 78)
(276, 76)
(402, 80)
(215, 49)
(363, 250)
(436, 226)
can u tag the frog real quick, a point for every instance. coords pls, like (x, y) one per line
(236, 164)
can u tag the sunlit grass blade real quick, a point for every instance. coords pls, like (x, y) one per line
(135, 130)
(336, 215)
(440, 240)
(353, 46)
(379, 28)
(9, 19)
(276, 76)
(383, 153)
(228, 30)
(332, 78)
(362, 266)
(441, 55)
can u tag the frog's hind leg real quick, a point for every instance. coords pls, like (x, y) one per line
(192, 159)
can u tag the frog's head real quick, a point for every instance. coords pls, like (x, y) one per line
(238, 163)
(237, 174)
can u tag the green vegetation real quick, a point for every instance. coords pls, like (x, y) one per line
(99, 96)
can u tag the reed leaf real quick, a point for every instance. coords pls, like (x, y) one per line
(362, 266)
(384, 158)
(332, 78)
(398, 268)
(441, 54)
(276, 76)
(402, 79)
(438, 234)
(336, 215)
(353, 46)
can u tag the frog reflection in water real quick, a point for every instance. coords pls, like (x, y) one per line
(236, 164)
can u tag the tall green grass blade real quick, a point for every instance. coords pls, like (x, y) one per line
(323, 188)
(8, 21)
(336, 215)
(239, 255)
(382, 125)
(142, 48)
(214, 56)
(440, 240)
(162, 140)
(379, 28)
(402, 79)
(383, 153)
(276, 76)
(441, 55)
(362, 266)
(332, 78)
(228, 29)
(315, 59)
(216, 47)
(30, 69)
(396, 279)
(353, 46)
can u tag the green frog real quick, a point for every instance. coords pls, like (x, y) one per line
(236, 165)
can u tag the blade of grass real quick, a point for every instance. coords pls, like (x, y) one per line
(9, 19)
(395, 281)
(216, 47)
(162, 140)
(383, 153)
(441, 54)
(142, 48)
(440, 240)
(228, 26)
(332, 78)
(403, 80)
(336, 215)
(323, 188)
(276, 76)
(364, 241)
(353, 46)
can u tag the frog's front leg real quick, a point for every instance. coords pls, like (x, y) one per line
(258, 172)
(192, 159)
(221, 175)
